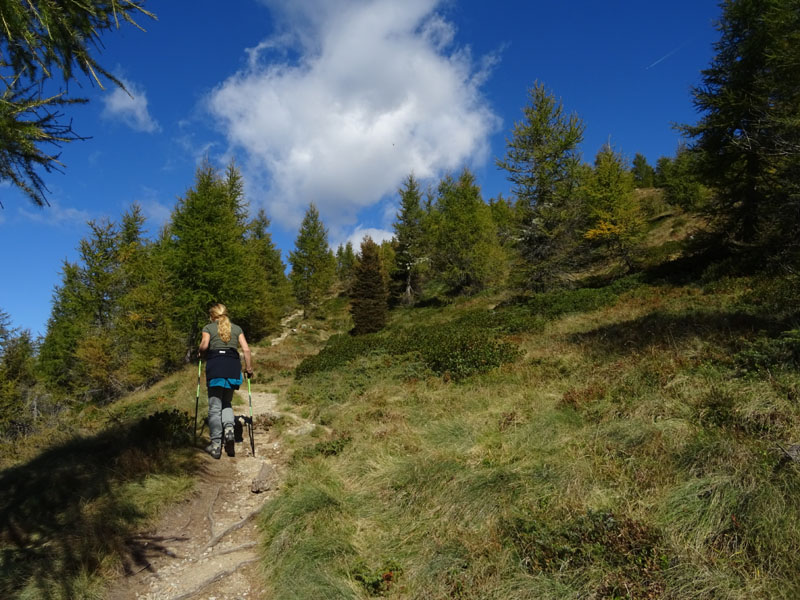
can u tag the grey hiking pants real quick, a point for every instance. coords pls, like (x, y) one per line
(220, 412)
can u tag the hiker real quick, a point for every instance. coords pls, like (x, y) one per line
(219, 342)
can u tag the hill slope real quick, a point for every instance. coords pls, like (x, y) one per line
(632, 446)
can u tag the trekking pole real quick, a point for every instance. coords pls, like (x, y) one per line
(196, 402)
(250, 422)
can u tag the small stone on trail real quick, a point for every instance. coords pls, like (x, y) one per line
(265, 479)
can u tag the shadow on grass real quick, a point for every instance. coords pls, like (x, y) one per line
(658, 329)
(75, 510)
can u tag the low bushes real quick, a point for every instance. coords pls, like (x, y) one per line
(458, 349)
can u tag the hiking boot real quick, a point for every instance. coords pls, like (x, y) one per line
(214, 449)
(230, 448)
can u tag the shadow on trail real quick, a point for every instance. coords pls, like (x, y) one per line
(64, 514)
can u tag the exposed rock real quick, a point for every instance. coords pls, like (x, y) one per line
(265, 480)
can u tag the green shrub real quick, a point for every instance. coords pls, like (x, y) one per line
(765, 353)
(339, 351)
(560, 302)
(459, 351)
(376, 582)
(461, 348)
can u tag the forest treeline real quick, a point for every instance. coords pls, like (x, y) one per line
(131, 307)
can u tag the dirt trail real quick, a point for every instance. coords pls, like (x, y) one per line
(208, 547)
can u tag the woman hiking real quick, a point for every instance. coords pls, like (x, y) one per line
(219, 342)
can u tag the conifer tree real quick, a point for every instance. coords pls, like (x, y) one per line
(267, 276)
(207, 257)
(543, 163)
(369, 305)
(346, 266)
(313, 263)
(411, 252)
(67, 325)
(616, 220)
(643, 173)
(748, 139)
(17, 379)
(145, 333)
(466, 255)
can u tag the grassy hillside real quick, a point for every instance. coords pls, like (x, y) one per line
(77, 497)
(616, 442)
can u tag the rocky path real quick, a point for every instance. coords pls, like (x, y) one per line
(207, 548)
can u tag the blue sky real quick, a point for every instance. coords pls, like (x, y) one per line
(335, 101)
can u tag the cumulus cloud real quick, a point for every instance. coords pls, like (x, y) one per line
(130, 109)
(377, 235)
(347, 99)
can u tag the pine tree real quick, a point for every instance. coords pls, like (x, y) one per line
(67, 325)
(411, 253)
(543, 163)
(748, 139)
(39, 41)
(313, 263)
(369, 305)
(643, 173)
(466, 255)
(346, 266)
(207, 254)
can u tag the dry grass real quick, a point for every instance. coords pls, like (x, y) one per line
(621, 456)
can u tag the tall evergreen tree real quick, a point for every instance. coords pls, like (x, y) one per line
(346, 266)
(543, 163)
(466, 255)
(68, 323)
(313, 263)
(17, 379)
(145, 334)
(643, 173)
(748, 138)
(411, 252)
(207, 257)
(369, 305)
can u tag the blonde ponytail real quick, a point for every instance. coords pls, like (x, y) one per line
(219, 313)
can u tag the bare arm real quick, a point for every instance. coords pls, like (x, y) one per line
(204, 341)
(248, 363)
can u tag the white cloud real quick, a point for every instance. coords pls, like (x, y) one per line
(130, 109)
(156, 213)
(348, 99)
(56, 215)
(377, 235)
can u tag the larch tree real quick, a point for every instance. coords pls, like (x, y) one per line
(267, 277)
(39, 41)
(615, 217)
(543, 164)
(313, 264)
(346, 266)
(748, 137)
